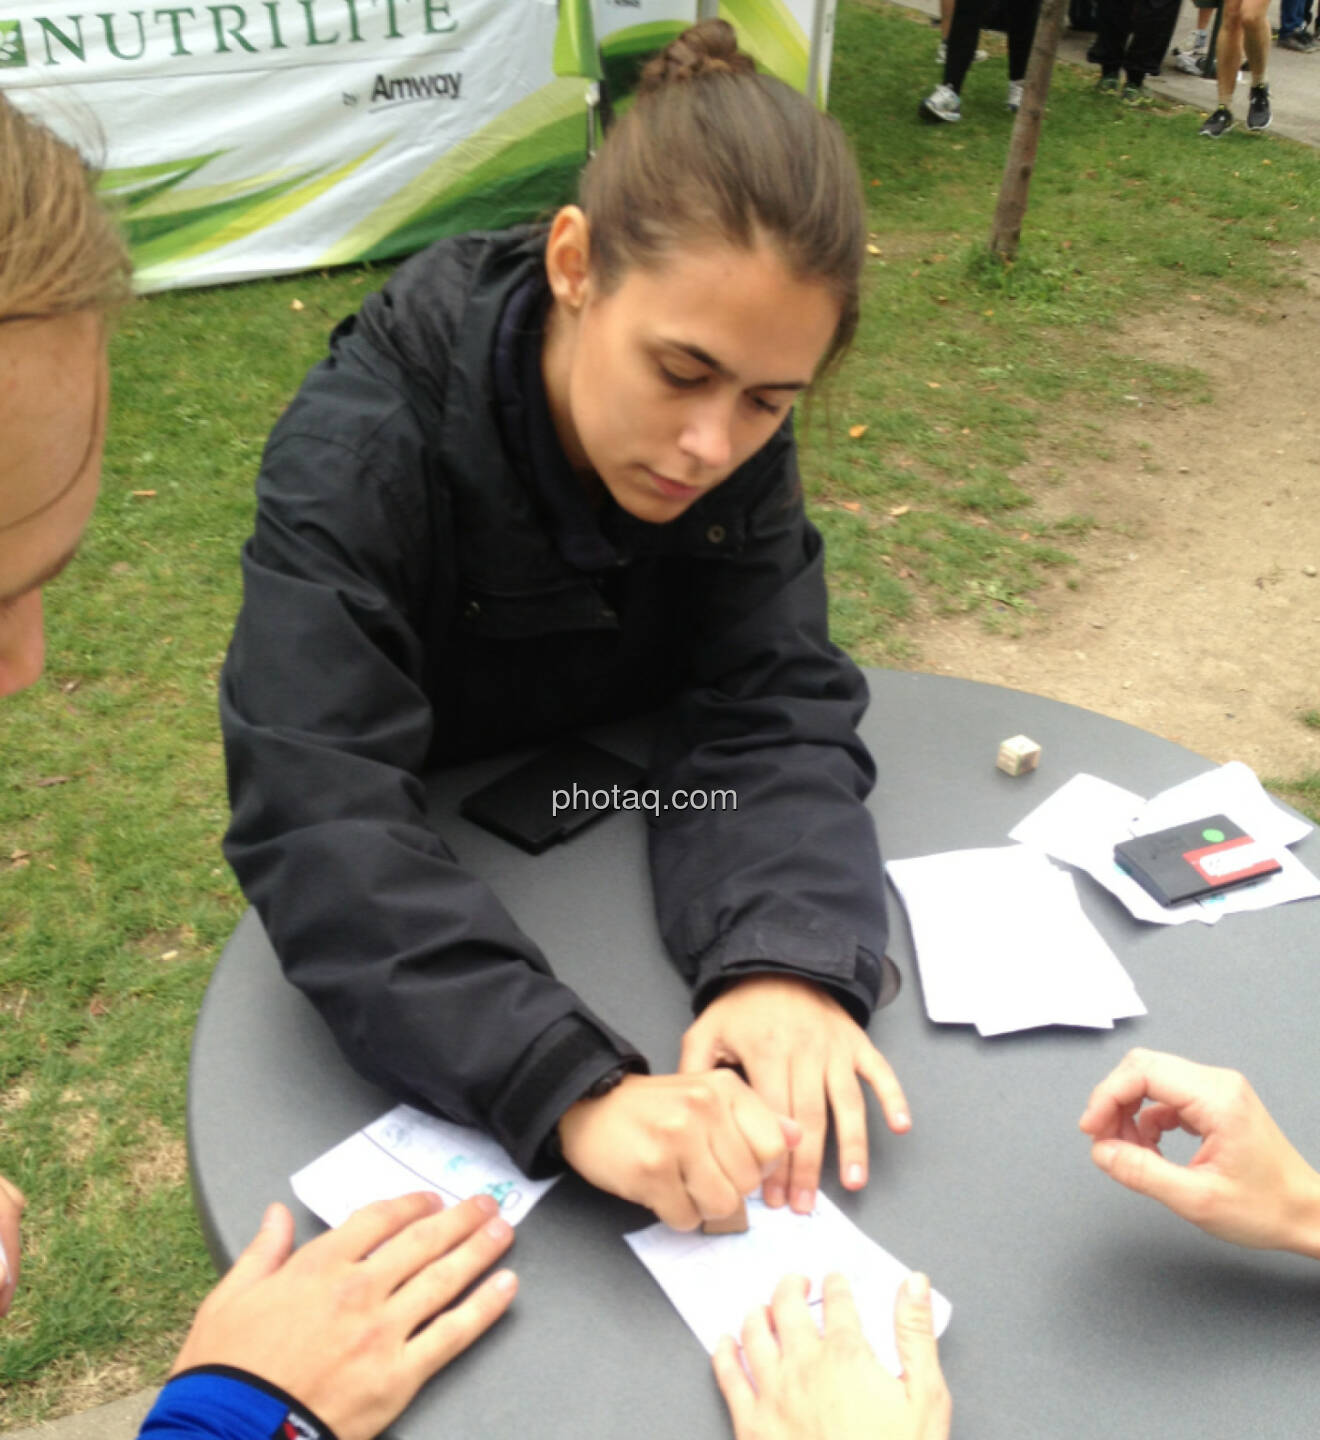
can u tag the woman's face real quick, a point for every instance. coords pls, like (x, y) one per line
(665, 385)
(54, 392)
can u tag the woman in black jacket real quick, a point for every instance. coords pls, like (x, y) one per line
(546, 479)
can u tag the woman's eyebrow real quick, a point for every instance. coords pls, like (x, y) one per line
(698, 354)
(46, 576)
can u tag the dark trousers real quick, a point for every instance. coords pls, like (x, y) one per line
(1133, 35)
(1018, 18)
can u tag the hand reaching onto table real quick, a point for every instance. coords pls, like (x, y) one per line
(802, 1053)
(11, 1210)
(1245, 1183)
(336, 1324)
(688, 1147)
(812, 1385)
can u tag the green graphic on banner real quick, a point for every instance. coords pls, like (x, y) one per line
(575, 40)
(523, 164)
(13, 52)
(767, 30)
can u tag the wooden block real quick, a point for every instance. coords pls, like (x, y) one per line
(1018, 755)
(734, 1224)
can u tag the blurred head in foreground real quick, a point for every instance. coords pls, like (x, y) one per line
(63, 273)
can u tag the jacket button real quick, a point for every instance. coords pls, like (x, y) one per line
(716, 534)
(472, 609)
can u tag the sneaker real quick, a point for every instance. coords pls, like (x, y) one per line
(1107, 85)
(1258, 108)
(1137, 95)
(942, 105)
(1218, 122)
(1298, 40)
(1013, 100)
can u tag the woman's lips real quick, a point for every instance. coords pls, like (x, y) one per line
(673, 489)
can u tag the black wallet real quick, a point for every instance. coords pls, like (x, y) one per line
(1199, 858)
(552, 796)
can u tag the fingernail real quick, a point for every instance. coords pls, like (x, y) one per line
(918, 1287)
(437, 1200)
(774, 1196)
(506, 1280)
(902, 1120)
(499, 1229)
(488, 1203)
(856, 1176)
(270, 1217)
(803, 1200)
(1102, 1152)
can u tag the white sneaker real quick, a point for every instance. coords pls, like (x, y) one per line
(941, 105)
(1014, 97)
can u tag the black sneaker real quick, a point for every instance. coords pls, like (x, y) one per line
(1218, 122)
(1258, 110)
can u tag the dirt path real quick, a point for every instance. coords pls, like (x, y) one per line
(1197, 615)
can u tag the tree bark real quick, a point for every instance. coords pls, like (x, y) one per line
(1006, 228)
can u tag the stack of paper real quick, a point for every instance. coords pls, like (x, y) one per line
(714, 1281)
(1003, 944)
(407, 1150)
(1084, 819)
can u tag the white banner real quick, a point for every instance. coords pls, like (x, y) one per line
(259, 137)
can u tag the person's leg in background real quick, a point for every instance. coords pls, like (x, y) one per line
(1022, 16)
(1114, 24)
(1153, 23)
(1293, 34)
(1245, 26)
(946, 19)
(943, 103)
(1189, 60)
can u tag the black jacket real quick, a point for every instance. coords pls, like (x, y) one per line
(406, 604)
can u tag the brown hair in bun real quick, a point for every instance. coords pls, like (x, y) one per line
(710, 48)
(715, 151)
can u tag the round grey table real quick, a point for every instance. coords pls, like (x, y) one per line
(1079, 1310)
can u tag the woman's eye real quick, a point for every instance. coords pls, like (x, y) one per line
(680, 382)
(766, 405)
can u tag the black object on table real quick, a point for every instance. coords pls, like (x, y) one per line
(1079, 1309)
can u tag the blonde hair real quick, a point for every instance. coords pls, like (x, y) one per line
(60, 249)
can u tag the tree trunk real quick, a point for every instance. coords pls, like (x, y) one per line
(1006, 229)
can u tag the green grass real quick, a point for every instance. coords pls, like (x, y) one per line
(117, 903)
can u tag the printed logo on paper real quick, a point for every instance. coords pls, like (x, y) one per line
(13, 52)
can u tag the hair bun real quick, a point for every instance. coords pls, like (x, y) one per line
(709, 48)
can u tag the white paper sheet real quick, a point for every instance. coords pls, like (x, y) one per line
(1002, 943)
(407, 1150)
(714, 1281)
(1080, 824)
(1231, 790)
(1086, 817)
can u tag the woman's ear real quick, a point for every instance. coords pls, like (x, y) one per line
(568, 257)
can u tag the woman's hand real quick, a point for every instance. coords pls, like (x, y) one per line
(688, 1147)
(11, 1209)
(802, 1053)
(814, 1385)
